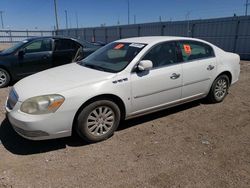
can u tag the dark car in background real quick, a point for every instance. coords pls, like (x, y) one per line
(36, 54)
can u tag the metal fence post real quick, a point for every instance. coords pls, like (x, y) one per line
(162, 29)
(93, 39)
(192, 30)
(139, 31)
(76, 33)
(236, 35)
(84, 34)
(119, 32)
(10, 36)
(106, 35)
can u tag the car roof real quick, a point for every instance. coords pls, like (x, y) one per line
(51, 37)
(156, 39)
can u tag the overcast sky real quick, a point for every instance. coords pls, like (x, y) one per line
(39, 14)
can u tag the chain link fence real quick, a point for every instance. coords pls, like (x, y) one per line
(13, 36)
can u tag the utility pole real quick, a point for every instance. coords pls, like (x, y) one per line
(55, 6)
(187, 19)
(70, 26)
(160, 19)
(128, 12)
(1, 12)
(76, 20)
(66, 18)
(247, 4)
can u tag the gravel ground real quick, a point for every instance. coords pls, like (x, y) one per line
(193, 145)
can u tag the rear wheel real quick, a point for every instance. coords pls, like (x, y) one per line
(98, 120)
(219, 89)
(4, 78)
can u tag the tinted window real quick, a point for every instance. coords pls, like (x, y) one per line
(65, 44)
(192, 50)
(163, 54)
(38, 46)
(113, 57)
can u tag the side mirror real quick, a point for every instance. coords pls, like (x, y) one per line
(21, 53)
(145, 65)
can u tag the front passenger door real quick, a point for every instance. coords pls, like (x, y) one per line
(160, 86)
(36, 56)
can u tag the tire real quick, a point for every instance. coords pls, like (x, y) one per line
(4, 78)
(98, 121)
(219, 89)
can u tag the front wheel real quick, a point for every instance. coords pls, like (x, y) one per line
(98, 120)
(219, 89)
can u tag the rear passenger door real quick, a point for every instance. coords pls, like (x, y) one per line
(199, 65)
(64, 51)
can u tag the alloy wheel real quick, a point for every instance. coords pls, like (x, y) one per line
(100, 120)
(221, 88)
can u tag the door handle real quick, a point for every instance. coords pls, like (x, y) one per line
(175, 76)
(210, 67)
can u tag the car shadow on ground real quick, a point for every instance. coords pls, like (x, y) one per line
(20, 146)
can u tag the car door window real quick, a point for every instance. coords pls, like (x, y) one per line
(65, 44)
(162, 55)
(38, 46)
(192, 50)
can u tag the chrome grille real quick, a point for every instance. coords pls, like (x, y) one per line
(12, 99)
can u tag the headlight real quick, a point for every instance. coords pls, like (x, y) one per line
(42, 104)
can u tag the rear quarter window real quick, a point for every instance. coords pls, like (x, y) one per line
(192, 50)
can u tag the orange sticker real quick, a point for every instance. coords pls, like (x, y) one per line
(118, 46)
(187, 49)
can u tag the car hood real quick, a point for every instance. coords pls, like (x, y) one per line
(2, 54)
(58, 79)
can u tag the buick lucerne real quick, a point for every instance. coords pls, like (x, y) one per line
(124, 79)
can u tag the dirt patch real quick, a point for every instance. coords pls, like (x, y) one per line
(193, 145)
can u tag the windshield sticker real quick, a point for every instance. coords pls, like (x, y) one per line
(137, 45)
(119, 46)
(187, 49)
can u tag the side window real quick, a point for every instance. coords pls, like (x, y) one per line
(64, 44)
(163, 54)
(192, 50)
(38, 46)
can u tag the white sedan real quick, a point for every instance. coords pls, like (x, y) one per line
(126, 78)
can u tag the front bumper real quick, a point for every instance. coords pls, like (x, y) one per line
(40, 127)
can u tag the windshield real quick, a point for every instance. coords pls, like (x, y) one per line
(14, 47)
(114, 57)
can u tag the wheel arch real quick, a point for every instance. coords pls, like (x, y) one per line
(227, 73)
(111, 97)
(8, 71)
